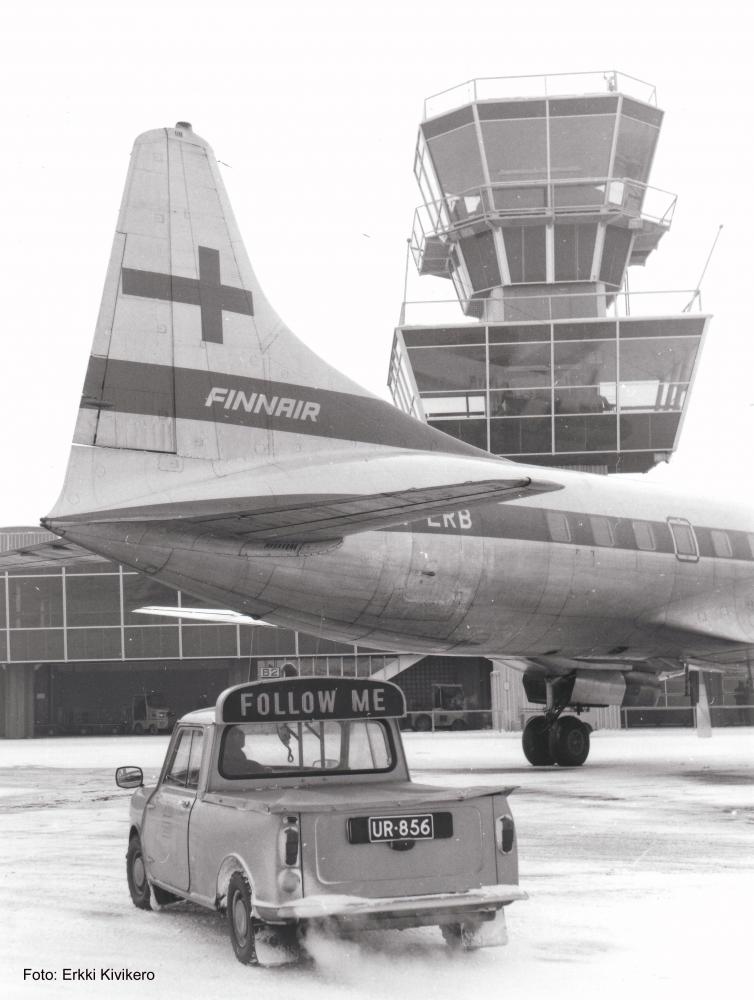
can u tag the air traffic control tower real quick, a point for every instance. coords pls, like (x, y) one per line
(535, 204)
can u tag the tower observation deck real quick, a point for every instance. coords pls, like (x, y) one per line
(535, 203)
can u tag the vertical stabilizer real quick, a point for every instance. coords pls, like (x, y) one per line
(192, 373)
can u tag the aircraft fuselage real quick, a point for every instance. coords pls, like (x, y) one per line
(591, 570)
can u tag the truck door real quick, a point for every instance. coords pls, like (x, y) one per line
(166, 819)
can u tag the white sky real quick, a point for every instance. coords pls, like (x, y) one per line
(315, 107)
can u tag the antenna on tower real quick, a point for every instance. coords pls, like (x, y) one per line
(697, 293)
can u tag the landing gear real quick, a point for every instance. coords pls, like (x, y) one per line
(569, 741)
(536, 741)
(559, 740)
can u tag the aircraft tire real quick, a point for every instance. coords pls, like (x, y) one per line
(569, 741)
(536, 743)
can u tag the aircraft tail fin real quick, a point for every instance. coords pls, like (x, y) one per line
(192, 374)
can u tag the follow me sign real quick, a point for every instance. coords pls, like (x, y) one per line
(295, 698)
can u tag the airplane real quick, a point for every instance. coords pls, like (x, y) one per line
(216, 453)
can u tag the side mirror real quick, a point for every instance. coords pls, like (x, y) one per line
(129, 777)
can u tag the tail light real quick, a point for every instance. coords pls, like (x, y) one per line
(506, 832)
(290, 842)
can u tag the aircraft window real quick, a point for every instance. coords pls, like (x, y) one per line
(644, 536)
(558, 525)
(684, 539)
(721, 544)
(602, 531)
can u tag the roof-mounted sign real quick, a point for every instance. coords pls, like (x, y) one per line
(295, 699)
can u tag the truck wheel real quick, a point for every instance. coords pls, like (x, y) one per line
(136, 873)
(153, 730)
(569, 741)
(422, 723)
(240, 920)
(458, 725)
(138, 728)
(536, 742)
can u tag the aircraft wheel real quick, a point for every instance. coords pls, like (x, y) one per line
(536, 742)
(569, 741)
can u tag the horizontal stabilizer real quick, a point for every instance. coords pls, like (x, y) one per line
(330, 518)
(315, 518)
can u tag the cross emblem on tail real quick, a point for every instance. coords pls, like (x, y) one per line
(207, 292)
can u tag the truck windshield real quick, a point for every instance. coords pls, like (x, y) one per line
(253, 750)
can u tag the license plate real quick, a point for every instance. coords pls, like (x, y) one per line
(387, 828)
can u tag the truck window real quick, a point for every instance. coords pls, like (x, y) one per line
(251, 750)
(195, 758)
(178, 768)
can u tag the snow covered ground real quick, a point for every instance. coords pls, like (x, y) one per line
(639, 867)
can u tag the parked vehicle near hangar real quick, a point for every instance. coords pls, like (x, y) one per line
(147, 713)
(290, 804)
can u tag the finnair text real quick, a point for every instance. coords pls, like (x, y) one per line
(258, 402)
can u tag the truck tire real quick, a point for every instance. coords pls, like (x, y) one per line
(240, 919)
(138, 729)
(422, 723)
(136, 874)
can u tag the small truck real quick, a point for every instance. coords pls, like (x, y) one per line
(289, 805)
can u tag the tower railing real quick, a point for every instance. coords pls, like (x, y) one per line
(539, 85)
(558, 198)
(550, 306)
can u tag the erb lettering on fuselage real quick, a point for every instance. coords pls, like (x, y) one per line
(311, 698)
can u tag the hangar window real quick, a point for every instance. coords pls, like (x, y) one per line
(721, 544)
(602, 531)
(557, 522)
(645, 537)
(684, 539)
